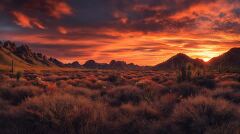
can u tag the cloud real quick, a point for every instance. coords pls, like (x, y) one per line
(25, 21)
(58, 9)
(22, 20)
(62, 30)
(134, 30)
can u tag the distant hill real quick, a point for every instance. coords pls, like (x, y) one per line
(227, 61)
(74, 64)
(177, 61)
(112, 65)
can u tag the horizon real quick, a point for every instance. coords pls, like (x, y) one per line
(18, 44)
(145, 32)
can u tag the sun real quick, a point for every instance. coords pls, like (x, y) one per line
(206, 59)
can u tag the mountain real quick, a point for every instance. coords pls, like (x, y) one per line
(177, 61)
(121, 65)
(75, 64)
(227, 61)
(56, 62)
(91, 64)
(24, 57)
(6, 58)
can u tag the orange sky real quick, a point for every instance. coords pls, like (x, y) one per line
(145, 33)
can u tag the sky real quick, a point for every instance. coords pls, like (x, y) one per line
(145, 32)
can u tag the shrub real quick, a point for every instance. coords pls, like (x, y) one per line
(16, 95)
(205, 82)
(166, 104)
(133, 119)
(4, 105)
(145, 84)
(115, 79)
(124, 94)
(200, 114)
(229, 84)
(183, 90)
(61, 114)
(227, 94)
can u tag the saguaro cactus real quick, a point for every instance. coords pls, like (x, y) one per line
(12, 69)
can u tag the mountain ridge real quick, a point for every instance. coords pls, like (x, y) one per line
(25, 57)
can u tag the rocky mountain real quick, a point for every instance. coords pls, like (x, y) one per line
(112, 65)
(26, 57)
(122, 65)
(75, 64)
(22, 53)
(227, 61)
(6, 58)
(177, 61)
(23, 56)
(56, 62)
(91, 64)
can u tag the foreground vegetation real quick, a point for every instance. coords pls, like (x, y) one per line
(115, 102)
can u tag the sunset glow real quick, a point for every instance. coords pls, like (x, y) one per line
(144, 32)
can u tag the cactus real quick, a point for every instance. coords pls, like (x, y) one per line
(185, 73)
(182, 74)
(18, 75)
(189, 72)
(12, 69)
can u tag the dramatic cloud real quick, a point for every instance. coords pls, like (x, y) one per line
(141, 31)
(26, 22)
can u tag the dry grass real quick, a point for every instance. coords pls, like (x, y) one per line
(110, 102)
(201, 114)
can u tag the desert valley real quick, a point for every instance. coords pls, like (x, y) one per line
(119, 67)
(181, 95)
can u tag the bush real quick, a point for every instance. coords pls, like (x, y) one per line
(115, 79)
(133, 119)
(4, 105)
(205, 82)
(150, 89)
(166, 104)
(183, 90)
(124, 94)
(229, 84)
(16, 95)
(59, 114)
(200, 114)
(227, 94)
